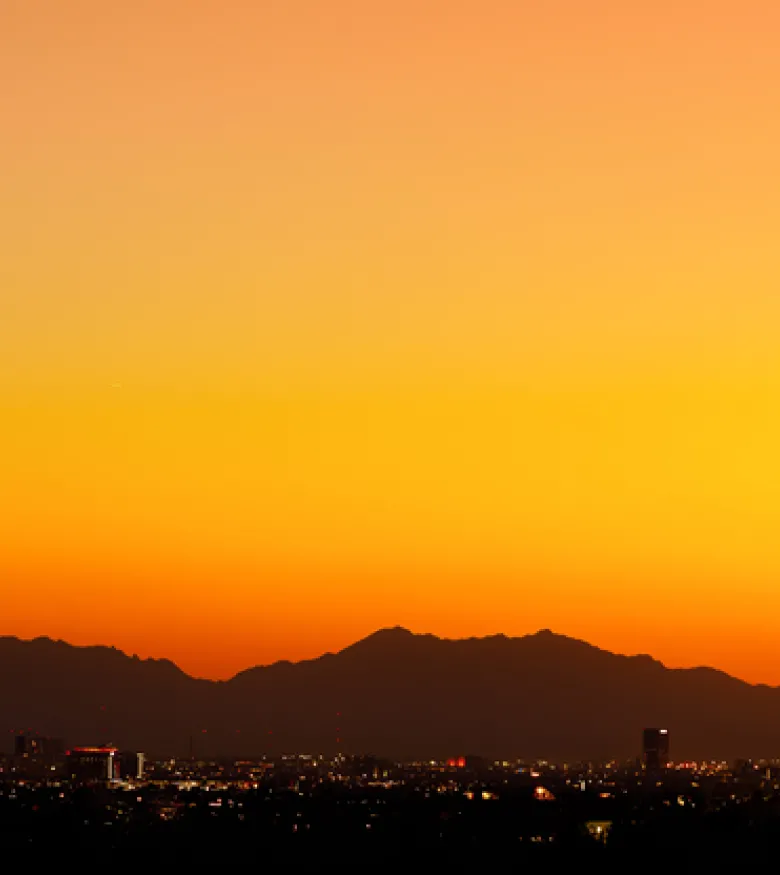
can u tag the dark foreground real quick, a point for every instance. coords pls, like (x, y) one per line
(384, 831)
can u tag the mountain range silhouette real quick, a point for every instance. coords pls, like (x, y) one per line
(395, 694)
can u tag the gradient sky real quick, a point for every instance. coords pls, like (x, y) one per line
(317, 317)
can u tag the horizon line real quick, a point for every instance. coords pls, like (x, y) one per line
(383, 630)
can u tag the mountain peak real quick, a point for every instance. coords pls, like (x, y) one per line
(395, 633)
(387, 638)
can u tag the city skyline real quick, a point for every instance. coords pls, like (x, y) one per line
(219, 811)
(317, 318)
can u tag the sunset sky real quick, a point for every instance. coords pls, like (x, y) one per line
(318, 316)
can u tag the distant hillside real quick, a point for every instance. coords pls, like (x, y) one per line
(394, 693)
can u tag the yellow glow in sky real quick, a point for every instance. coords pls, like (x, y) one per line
(316, 318)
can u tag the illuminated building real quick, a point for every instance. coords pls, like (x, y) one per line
(89, 765)
(655, 748)
(130, 765)
(599, 829)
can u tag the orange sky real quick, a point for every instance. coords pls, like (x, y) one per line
(317, 317)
